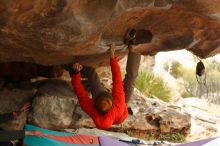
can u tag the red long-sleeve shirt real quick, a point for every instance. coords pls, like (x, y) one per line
(118, 113)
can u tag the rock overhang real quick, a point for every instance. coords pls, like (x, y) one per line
(57, 31)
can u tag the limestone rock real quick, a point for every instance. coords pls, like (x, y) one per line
(171, 120)
(12, 98)
(54, 105)
(81, 119)
(21, 71)
(57, 31)
(204, 121)
(159, 115)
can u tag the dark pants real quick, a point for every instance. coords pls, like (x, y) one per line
(132, 67)
(93, 82)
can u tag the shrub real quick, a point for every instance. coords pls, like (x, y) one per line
(176, 69)
(166, 67)
(151, 86)
(185, 94)
(172, 137)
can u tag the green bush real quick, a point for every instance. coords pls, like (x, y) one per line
(185, 94)
(172, 137)
(189, 84)
(151, 86)
(176, 69)
(166, 67)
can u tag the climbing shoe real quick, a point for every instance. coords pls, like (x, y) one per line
(130, 38)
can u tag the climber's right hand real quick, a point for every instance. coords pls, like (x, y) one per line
(77, 67)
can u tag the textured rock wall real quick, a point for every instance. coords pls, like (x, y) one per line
(12, 98)
(53, 105)
(52, 32)
(21, 71)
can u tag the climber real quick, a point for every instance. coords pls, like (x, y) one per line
(132, 39)
(104, 108)
(6, 136)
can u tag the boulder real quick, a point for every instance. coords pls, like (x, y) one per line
(53, 105)
(158, 115)
(12, 98)
(205, 119)
(56, 32)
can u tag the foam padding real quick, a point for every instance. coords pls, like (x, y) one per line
(45, 141)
